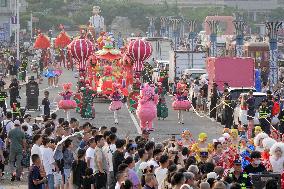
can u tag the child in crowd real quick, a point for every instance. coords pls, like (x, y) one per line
(46, 104)
(36, 178)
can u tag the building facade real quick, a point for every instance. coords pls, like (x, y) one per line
(250, 5)
(7, 10)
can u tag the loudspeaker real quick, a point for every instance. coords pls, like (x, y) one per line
(259, 180)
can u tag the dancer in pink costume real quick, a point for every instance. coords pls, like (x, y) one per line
(147, 107)
(66, 103)
(57, 72)
(181, 102)
(116, 103)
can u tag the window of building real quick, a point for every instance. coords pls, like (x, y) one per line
(3, 3)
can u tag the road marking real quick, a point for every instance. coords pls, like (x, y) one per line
(134, 120)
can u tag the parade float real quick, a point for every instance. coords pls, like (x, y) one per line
(138, 51)
(104, 67)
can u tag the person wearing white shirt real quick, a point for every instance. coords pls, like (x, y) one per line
(8, 123)
(108, 149)
(156, 158)
(143, 155)
(161, 171)
(90, 154)
(37, 140)
(48, 161)
(27, 122)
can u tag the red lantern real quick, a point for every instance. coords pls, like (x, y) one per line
(139, 50)
(81, 49)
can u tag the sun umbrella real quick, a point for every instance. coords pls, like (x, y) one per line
(76, 138)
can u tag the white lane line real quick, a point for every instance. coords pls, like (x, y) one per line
(54, 103)
(134, 120)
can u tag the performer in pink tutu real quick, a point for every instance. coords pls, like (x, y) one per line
(116, 103)
(66, 103)
(181, 102)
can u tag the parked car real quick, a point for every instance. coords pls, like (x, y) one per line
(235, 94)
(241, 109)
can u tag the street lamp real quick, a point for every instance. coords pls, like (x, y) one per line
(163, 28)
(17, 5)
(213, 24)
(191, 36)
(239, 26)
(273, 28)
(151, 28)
(175, 22)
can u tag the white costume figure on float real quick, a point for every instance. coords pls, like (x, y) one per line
(277, 157)
(97, 21)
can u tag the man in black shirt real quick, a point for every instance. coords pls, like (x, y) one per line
(118, 155)
(255, 166)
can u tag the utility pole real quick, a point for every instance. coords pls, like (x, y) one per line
(18, 29)
(31, 25)
(191, 36)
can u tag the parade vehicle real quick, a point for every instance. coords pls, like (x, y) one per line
(237, 72)
(235, 94)
(163, 64)
(241, 109)
(181, 60)
(195, 73)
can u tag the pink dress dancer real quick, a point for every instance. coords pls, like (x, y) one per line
(66, 103)
(181, 102)
(147, 107)
(116, 103)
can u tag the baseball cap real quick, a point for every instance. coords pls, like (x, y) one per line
(145, 132)
(237, 162)
(204, 154)
(27, 115)
(17, 122)
(143, 165)
(212, 175)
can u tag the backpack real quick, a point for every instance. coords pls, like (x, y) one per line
(4, 131)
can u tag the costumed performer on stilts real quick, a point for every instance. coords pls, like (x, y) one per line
(162, 109)
(147, 107)
(66, 103)
(116, 102)
(88, 95)
(181, 102)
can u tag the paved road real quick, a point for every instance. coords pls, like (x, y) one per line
(128, 123)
